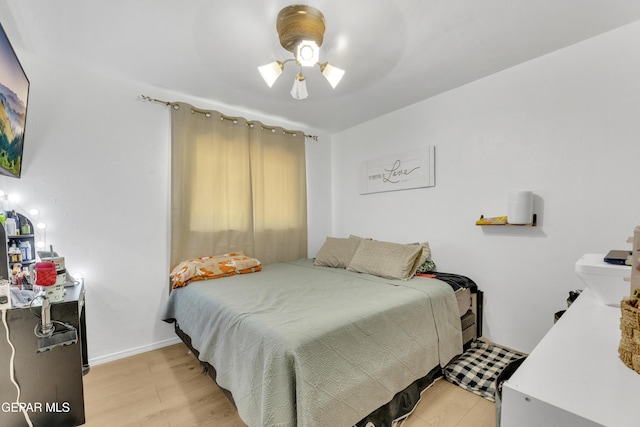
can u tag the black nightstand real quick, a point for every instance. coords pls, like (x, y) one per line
(51, 389)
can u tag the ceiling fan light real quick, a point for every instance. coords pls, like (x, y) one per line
(332, 74)
(301, 32)
(307, 53)
(271, 72)
(299, 89)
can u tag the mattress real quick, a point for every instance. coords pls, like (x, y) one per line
(302, 345)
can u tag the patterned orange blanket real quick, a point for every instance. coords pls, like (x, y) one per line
(213, 267)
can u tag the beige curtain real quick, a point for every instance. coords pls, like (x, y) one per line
(236, 186)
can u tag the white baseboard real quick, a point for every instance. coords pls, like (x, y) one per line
(132, 352)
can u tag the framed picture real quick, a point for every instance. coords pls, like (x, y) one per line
(14, 94)
(400, 171)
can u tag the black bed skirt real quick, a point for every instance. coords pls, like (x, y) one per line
(206, 367)
(401, 404)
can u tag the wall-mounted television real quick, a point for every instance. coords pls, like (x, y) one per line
(14, 93)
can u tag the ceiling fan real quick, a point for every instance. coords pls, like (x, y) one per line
(301, 32)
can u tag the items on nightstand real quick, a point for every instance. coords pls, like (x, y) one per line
(11, 226)
(25, 227)
(45, 274)
(61, 271)
(604, 279)
(618, 257)
(14, 254)
(25, 250)
(19, 277)
(573, 295)
(18, 247)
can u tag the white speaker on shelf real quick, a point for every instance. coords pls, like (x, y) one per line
(520, 207)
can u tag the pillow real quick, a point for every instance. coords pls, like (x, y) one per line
(426, 267)
(353, 236)
(213, 267)
(386, 259)
(336, 252)
(426, 252)
(424, 263)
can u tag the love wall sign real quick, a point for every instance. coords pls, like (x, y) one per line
(400, 171)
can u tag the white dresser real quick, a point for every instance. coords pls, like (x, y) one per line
(574, 376)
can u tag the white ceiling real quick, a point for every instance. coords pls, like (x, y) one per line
(395, 52)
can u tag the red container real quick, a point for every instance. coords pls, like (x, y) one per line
(46, 274)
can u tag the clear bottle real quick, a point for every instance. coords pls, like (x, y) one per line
(10, 226)
(14, 253)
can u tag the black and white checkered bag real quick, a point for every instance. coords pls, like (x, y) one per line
(477, 369)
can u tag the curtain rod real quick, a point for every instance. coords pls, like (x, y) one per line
(167, 103)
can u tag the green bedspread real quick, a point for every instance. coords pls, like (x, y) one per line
(299, 345)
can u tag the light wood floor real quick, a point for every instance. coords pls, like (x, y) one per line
(165, 388)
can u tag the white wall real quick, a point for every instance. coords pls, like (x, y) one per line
(565, 126)
(96, 164)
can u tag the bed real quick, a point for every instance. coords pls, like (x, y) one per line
(301, 344)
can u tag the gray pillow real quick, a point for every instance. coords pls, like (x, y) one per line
(426, 252)
(386, 259)
(336, 252)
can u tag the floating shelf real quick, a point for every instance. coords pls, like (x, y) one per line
(502, 221)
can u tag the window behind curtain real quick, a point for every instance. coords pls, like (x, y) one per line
(236, 188)
(279, 194)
